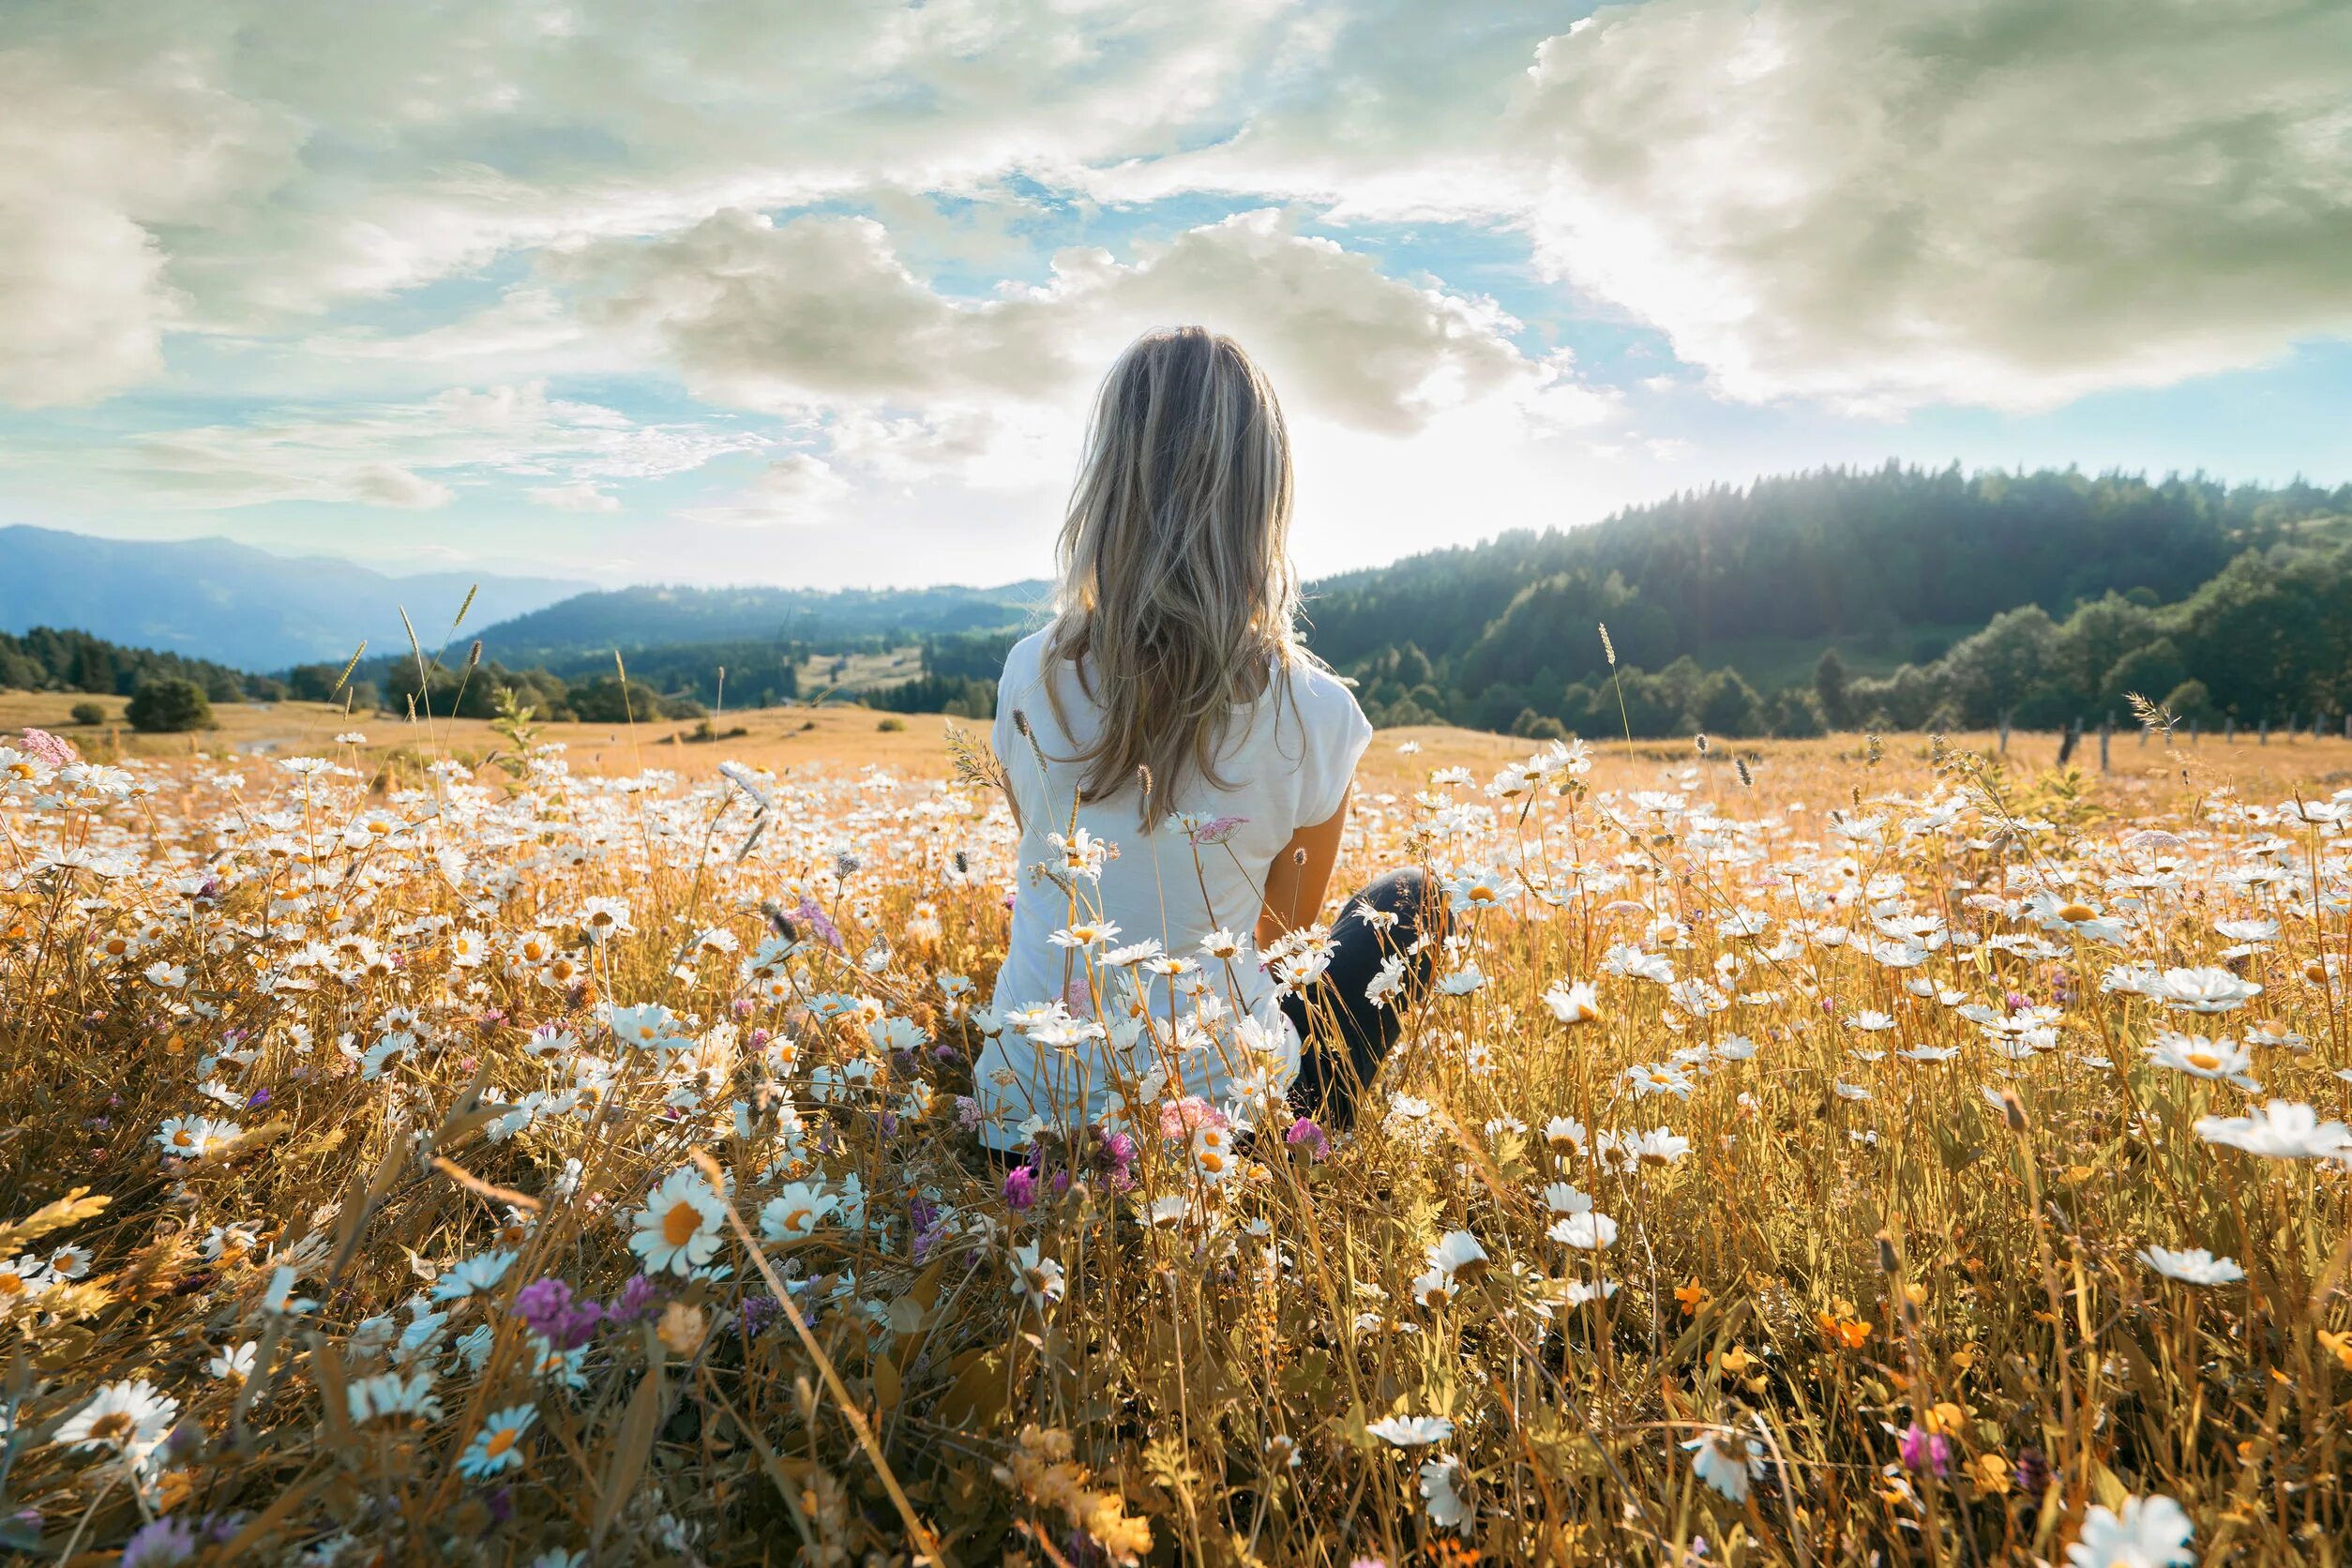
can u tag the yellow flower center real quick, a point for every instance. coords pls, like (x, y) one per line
(2205, 1060)
(2074, 914)
(500, 1441)
(680, 1224)
(799, 1219)
(111, 1427)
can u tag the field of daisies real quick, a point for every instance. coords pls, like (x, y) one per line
(1846, 1164)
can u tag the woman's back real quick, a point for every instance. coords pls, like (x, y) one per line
(1284, 762)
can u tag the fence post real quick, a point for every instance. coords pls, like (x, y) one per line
(2004, 735)
(2264, 738)
(2107, 732)
(2229, 731)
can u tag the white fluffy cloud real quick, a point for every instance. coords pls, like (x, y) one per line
(2006, 201)
(234, 164)
(1876, 204)
(93, 168)
(581, 496)
(819, 315)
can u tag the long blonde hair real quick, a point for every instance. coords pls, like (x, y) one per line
(1177, 597)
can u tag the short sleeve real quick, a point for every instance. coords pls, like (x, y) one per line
(1338, 734)
(1000, 734)
(1012, 688)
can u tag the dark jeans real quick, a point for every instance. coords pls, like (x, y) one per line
(1345, 1038)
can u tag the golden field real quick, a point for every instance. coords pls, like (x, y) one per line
(438, 1149)
(836, 736)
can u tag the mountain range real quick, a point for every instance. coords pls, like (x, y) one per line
(230, 603)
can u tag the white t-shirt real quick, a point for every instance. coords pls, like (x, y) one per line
(1286, 761)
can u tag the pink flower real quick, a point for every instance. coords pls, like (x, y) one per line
(1180, 1118)
(1216, 830)
(49, 749)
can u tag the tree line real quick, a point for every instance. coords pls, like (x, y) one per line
(1894, 597)
(48, 659)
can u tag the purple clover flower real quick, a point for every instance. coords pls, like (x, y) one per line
(1114, 1156)
(816, 921)
(1922, 1450)
(635, 1300)
(161, 1544)
(550, 1309)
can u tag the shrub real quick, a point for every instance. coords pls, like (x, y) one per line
(891, 724)
(170, 704)
(89, 713)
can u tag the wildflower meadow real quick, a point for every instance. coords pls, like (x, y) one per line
(1874, 1154)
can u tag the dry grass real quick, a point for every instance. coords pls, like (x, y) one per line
(1878, 1273)
(835, 736)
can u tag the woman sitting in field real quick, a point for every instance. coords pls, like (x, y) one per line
(1180, 768)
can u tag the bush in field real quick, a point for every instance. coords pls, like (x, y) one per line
(89, 713)
(170, 704)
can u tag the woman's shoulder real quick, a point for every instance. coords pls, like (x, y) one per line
(1321, 693)
(1026, 657)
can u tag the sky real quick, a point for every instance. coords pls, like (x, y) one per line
(820, 293)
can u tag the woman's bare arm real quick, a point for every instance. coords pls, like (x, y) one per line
(1300, 876)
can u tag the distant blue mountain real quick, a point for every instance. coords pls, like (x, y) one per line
(660, 617)
(217, 599)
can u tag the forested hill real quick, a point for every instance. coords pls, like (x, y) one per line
(1831, 555)
(1732, 596)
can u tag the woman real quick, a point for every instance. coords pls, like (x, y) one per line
(1180, 768)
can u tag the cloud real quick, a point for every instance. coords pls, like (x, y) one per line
(384, 484)
(768, 315)
(819, 314)
(798, 488)
(1878, 206)
(581, 496)
(1999, 201)
(407, 455)
(90, 171)
(234, 166)
(2007, 203)
(1350, 342)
